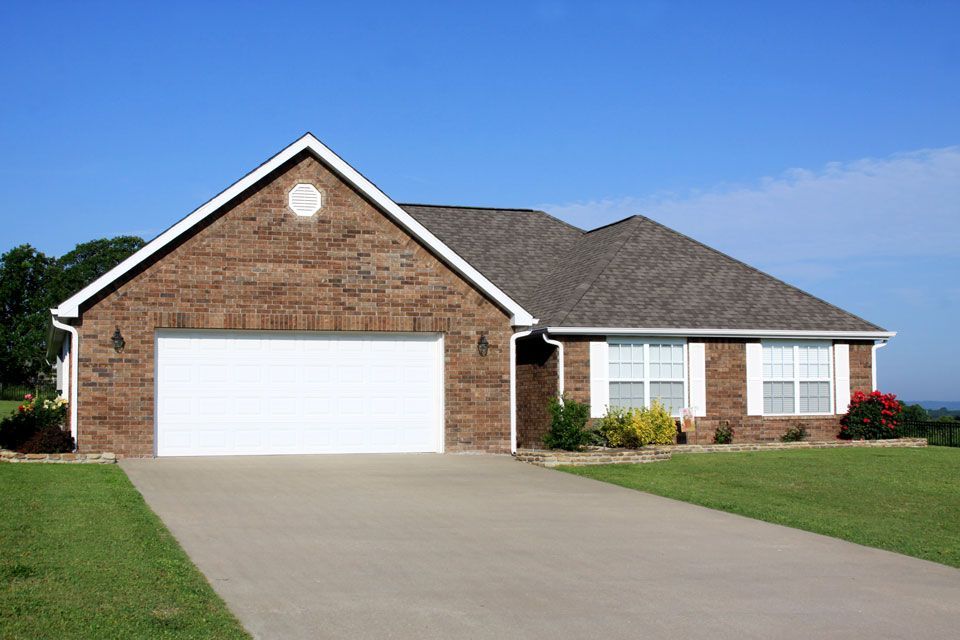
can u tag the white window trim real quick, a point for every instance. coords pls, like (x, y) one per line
(796, 344)
(646, 341)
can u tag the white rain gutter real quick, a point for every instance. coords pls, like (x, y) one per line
(722, 333)
(559, 346)
(74, 361)
(513, 388)
(873, 361)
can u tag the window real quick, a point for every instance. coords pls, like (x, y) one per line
(644, 371)
(796, 378)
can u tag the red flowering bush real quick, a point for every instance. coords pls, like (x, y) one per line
(871, 416)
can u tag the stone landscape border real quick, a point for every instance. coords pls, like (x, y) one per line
(553, 458)
(58, 458)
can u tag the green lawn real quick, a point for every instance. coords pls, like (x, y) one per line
(904, 500)
(82, 556)
(7, 407)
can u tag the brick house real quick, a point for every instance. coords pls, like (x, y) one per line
(301, 310)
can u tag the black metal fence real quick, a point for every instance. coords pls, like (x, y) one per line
(17, 391)
(941, 434)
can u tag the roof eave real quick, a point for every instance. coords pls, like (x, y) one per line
(724, 333)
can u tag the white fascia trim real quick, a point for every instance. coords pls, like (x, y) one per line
(519, 316)
(724, 333)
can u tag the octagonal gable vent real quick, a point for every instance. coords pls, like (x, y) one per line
(305, 199)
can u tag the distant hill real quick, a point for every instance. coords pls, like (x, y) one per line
(953, 405)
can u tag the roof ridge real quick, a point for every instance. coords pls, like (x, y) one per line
(615, 223)
(463, 206)
(597, 272)
(525, 210)
(755, 270)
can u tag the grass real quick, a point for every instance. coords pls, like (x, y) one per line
(7, 407)
(903, 500)
(82, 556)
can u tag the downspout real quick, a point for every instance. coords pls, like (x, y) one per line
(873, 361)
(513, 388)
(74, 360)
(559, 346)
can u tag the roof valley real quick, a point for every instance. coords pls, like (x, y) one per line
(599, 266)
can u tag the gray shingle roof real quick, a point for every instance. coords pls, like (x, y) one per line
(635, 273)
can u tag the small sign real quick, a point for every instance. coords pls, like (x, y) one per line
(688, 424)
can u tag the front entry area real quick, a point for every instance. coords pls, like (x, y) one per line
(222, 393)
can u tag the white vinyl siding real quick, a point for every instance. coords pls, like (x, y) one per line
(797, 378)
(642, 371)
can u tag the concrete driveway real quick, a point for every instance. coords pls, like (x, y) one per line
(432, 546)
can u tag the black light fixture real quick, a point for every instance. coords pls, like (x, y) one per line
(118, 341)
(483, 346)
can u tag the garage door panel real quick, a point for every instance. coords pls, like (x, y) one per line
(246, 393)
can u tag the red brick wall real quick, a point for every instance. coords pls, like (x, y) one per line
(537, 381)
(727, 397)
(257, 265)
(536, 384)
(861, 366)
(726, 386)
(576, 365)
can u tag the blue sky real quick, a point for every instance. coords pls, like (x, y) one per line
(818, 141)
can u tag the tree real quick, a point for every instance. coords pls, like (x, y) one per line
(31, 283)
(87, 262)
(24, 280)
(914, 413)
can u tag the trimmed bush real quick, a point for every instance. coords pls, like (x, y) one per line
(796, 433)
(568, 421)
(723, 434)
(663, 426)
(31, 418)
(871, 416)
(616, 428)
(632, 428)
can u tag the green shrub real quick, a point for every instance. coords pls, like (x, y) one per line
(642, 427)
(723, 434)
(663, 426)
(30, 418)
(568, 421)
(632, 428)
(796, 433)
(616, 428)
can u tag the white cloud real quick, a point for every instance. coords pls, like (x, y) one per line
(808, 223)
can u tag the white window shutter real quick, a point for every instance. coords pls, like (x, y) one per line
(841, 376)
(754, 379)
(697, 353)
(599, 379)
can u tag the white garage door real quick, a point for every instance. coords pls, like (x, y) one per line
(254, 393)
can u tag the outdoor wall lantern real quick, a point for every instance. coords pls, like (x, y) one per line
(483, 346)
(118, 341)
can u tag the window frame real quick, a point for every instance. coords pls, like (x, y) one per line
(646, 341)
(796, 379)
